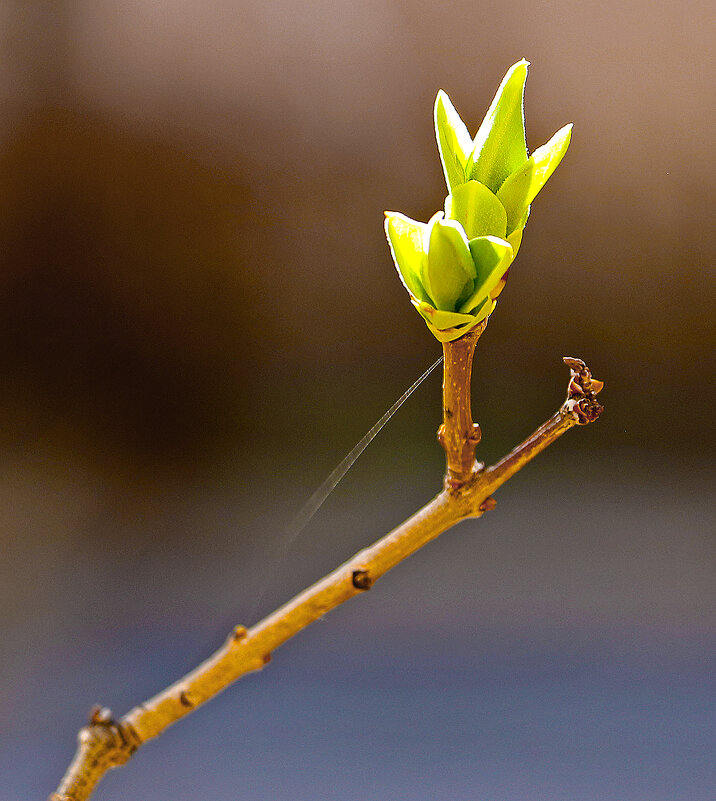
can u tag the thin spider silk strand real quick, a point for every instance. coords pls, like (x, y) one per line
(319, 497)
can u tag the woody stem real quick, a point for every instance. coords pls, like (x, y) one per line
(458, 434)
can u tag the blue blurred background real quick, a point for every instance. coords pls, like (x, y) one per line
(199, 317)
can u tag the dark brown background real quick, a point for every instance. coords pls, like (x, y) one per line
(199, 316)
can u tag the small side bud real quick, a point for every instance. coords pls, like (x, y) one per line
(362, 580)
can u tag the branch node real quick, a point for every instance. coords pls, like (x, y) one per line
(362, 580)
(102, 744)
(455, 486)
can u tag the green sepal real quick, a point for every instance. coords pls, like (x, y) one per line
(454, 141)
(440, 318)
(521, 188)
(492, 257)
(449, 265)
(406, 239)
(485, 309)
(500, 147)
(477, 209)
(455, 332)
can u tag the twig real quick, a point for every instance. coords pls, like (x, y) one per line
(106, 743)
(458, 434)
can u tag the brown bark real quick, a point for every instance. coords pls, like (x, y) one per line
(458, 434)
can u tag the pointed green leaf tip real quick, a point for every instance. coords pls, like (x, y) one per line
(521, 188)
(406, 239)
(454, 141)
(500, 147)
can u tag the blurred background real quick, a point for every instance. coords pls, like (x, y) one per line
(199, 316)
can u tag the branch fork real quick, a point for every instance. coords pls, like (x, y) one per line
(106, 743)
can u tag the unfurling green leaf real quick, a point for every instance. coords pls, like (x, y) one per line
(477, 209)
(500, 147)
(449, 265)
(492, 257)
(521, 188)
(406, 238)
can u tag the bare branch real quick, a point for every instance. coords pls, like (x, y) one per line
(105, 743)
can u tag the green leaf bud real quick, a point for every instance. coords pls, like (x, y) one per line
(449, 277)
(456, 265)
